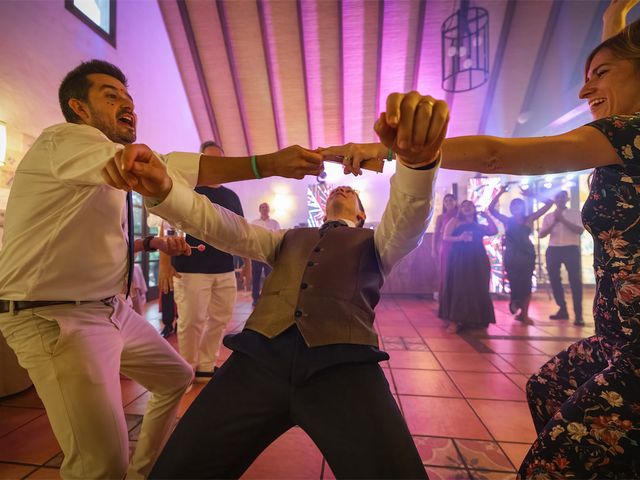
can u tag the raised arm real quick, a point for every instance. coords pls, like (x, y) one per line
(615, 17)
(548, 203)
(492, 206)
(491, 228)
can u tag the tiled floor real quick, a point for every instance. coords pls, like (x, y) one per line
(462, 396)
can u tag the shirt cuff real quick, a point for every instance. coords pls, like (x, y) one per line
(177, 205)
(185, 165)
(416, 183)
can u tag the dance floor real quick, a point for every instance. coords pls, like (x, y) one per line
(462, 396)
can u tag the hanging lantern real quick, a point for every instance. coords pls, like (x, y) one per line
(465, 49)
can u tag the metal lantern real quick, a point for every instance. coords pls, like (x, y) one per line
(465, 49)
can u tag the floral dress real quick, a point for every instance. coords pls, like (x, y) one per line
(585, 401)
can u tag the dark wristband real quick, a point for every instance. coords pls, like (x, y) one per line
(146, 244)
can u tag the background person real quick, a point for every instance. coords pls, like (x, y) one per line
(564, 227)
(260, 268)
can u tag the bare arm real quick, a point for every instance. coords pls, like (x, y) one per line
(491, 228)
(540, 212)
(494, 211)
(546, 230)
(579, 149)
(615, 17)
(448, 232)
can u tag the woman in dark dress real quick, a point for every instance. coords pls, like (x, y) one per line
(440, 248)
(466, 302)
(519, 252)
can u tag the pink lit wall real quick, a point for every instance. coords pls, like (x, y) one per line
(40, 41)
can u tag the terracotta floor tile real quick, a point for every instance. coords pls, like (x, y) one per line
(526, 364)
(507, 421)
(516, 452)
(31, 443)
(457, 345)
(413, 359)
(139, 405)
(427, 332)
(550, 347)
(293, 455)
(14, 417)
(189, 397)
(510, 346)
(440, 473)
(438, 451)
(424, 382)
(29, 399)
(486, 385)
(11, 471)
(45, 473)
(398, 330)
(130, 390)
(519, 379)
(500, 363)
(467, 362)
(483, 455)
(442, 417)
(484, 475)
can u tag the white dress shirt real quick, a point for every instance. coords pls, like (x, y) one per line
(561, 235)
(64, 236)
(269, 224)
(401, 229)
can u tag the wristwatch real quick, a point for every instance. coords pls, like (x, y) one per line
(146, 244)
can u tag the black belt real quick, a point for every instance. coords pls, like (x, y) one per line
(5, 305)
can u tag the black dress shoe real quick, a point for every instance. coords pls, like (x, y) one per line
(514, 307)
(561, 315)
(578, 322)
(167, 331)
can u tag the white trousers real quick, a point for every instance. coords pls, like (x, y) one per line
(74, 355)
(205, 305)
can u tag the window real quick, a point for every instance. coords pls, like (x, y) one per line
(99, 15)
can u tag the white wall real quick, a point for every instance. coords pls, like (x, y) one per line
(40, 41)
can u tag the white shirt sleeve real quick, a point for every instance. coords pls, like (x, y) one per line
(215, 225)
(79, 153)
(406, 215)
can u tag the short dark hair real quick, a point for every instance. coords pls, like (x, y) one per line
(210, 143)
(76, 84)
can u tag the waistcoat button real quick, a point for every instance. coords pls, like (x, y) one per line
(298, 313)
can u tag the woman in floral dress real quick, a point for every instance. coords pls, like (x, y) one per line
(585, 401)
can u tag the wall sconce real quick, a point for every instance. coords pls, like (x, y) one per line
(3, 143)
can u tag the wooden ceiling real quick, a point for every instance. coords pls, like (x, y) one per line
(261, 75)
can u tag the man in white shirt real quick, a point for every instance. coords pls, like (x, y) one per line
(564, 227)
(66, 264)
(308, 355)
(260, 268)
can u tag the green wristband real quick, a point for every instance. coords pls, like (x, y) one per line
(389, 155)
(254, 167)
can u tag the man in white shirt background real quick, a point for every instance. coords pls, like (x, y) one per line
(260, 268)
(564, 227)
(66, 264)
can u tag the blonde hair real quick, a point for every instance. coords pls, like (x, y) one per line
(624, 45)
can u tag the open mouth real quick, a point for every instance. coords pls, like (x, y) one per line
(127, 119)
(595, 102)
